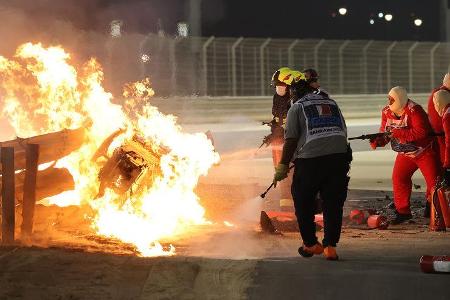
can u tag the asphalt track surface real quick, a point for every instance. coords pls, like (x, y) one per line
(368, 271)
(369, 268)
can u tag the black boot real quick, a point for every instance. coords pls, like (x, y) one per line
(400, 218)
(427, 211)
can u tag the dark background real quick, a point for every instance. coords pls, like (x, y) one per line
(248, 18)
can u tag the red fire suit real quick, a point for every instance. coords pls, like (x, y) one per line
(446, 126)
(411, 139)
(436, 123)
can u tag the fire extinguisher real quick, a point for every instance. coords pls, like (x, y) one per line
(444, 203)
(377, 221)
(435, 264)
(437, 220)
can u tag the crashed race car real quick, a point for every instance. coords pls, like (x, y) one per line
(131, 167)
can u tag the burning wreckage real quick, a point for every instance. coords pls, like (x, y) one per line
(131, 167)
(139, 181)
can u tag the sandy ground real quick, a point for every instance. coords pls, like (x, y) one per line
(57, 273)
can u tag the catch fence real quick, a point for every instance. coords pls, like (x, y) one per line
(243, 66)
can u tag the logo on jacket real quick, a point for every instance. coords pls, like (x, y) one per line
(324, 110)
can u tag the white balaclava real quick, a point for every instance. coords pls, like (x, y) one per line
(441, 99)
(446, 81)
(401, 98)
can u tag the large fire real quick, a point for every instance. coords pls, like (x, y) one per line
(42, 92)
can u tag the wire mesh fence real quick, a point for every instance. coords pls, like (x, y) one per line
(210, 66)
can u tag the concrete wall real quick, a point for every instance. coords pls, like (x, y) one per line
(192, 110)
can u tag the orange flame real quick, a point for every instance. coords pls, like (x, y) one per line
(42, 92)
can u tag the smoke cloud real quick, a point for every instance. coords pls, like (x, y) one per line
(82, 28)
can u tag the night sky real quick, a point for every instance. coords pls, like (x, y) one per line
(249, 18)
(313, 19)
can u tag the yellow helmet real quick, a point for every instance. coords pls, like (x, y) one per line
(298, 76)
(282, 76)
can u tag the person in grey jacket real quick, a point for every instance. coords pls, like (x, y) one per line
(316, 142)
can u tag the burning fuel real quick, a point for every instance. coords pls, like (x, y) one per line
(136, 168)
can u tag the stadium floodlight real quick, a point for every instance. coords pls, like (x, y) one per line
(145, 58)
(380, 15)
(418, 22)
(388, 17)
(342, 11)
(183, 29)
(116, 28)
(372, 21)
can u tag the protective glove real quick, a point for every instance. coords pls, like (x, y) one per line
(373, 143)
(380, 141)
(281, 172)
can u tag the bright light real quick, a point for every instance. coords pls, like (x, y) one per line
(145, 58)
(380, 15)
(418, 22)
(183, 29)
(342, 11)
(116, 28)
(371, 22)
(388, 17)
